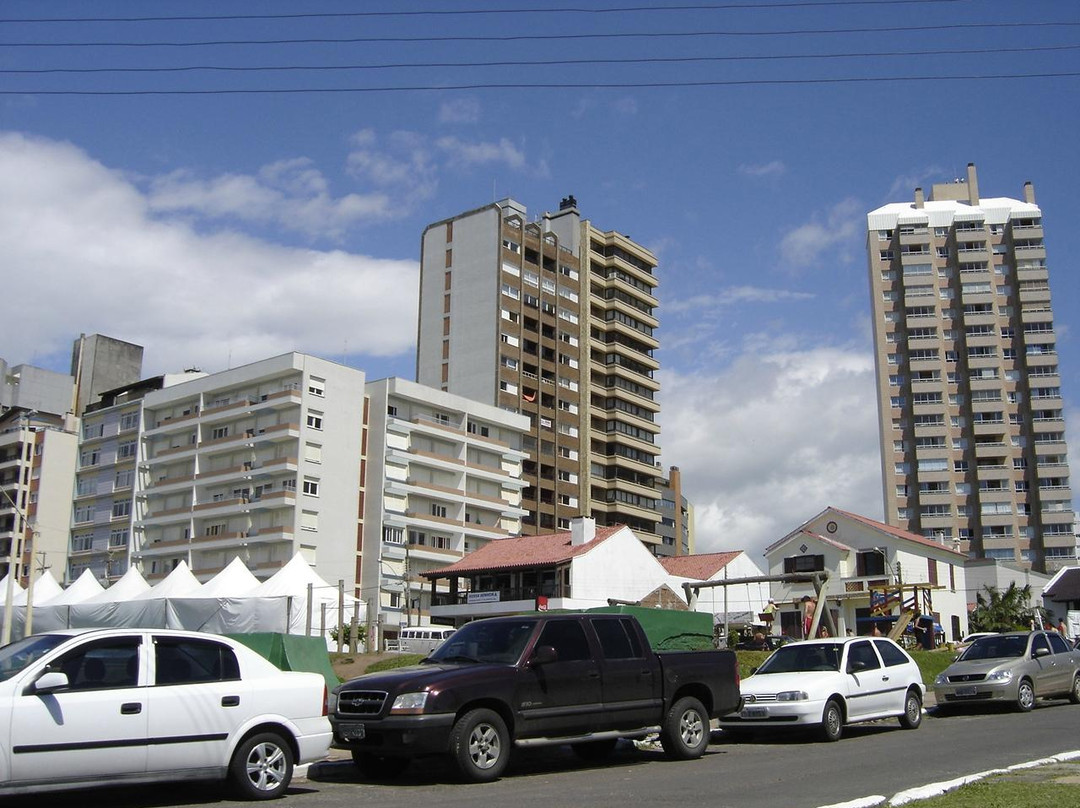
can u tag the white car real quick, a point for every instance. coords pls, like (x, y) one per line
(826, 684)
(115, 706)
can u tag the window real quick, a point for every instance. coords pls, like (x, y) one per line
(129, 420)
(438, 510)
(186, 661)
(861, 657)
(101, 665)
(119, 537)
(804, 563)
(890, 654)
(219, 432)
(313, 453)
(311, 487)
(91, 457)
(870, 562)
(568, 639)
(124, 479)
(82, 542)
(84, 513)
(309, 520)
(120, 509)
(314, 420)
(618, 640)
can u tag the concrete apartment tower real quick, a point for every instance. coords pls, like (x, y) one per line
(553, 319)
(971, 417)
(101, 363)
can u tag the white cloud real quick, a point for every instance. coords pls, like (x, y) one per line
(460, 110)
(771, 439)
(903, 187)
(625, 106)
(88, 252)
(804, 245)
(731, 296)
(462, 153)
(774, 168)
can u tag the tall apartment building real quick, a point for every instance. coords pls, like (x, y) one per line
(445, 476)
(553, 319)
(260, 461)
(100, 363)
(971, 417)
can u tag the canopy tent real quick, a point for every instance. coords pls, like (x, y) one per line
(234, 581)
(16, 588)
(130, 585)
(85, 586)
(179, 583)
(45, 589)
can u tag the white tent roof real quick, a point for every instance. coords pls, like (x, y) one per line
(45, 588)
(293, 579)
(130, 585)
(85, 586)
(179, 583)
(234, 581)
(16, 589)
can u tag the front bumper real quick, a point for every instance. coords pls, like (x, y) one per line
(405, 735)
(975, 692)
(775, 714)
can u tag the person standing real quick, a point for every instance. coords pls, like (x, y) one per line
(809, 605)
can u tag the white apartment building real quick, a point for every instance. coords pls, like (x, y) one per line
(260, 461)
(446, 479)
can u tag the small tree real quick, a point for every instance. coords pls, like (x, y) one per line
(361, 634)
(1002, 611)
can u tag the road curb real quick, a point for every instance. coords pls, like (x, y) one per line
(936, 789)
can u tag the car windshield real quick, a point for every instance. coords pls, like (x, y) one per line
(799, 657)
(501, 641)
(997, 647)
(15, 657)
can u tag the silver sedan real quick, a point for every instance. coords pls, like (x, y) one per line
(1018, 668)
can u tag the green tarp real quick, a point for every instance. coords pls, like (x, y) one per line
(670, 630)
(291, 652)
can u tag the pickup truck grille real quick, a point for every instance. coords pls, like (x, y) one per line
(968, 677)
(361, 702)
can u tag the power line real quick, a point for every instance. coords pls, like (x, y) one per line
(536, 62)
(557, 86)
(476, 11)
(538, 37)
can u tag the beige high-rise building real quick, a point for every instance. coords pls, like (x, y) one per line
(971, 417)
(554, 319)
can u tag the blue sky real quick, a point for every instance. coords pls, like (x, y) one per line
(219, 228)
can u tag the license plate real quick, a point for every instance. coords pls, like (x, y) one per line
(968, 690)
(353, 732)
(755, 712)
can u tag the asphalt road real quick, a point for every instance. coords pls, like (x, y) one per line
(784, 771)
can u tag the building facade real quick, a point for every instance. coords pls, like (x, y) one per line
(555, 320)
(971, 416)
(445, 476)
(261, 462)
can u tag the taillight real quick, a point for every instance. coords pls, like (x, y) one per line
(325, 701)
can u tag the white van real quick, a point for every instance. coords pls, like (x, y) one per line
(422, 639)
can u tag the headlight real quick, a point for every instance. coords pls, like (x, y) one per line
(792, 695)
(409, 703)
(999, 676)
(331, 701)
(941, 679)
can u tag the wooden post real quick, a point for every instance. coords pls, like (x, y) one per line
(322, 620)
(310, 606)
(354, 627)
(340, 614)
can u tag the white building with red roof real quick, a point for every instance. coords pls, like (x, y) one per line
(742, 603)
(866, 559)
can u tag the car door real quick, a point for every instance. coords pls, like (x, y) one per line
(196, 702)
(562, 696)
(630, 676)
(93, 730)
(900, 672)
(867, 681)
(1063, 661)
(1040, 663)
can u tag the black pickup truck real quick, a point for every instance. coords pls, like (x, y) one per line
(580, 679)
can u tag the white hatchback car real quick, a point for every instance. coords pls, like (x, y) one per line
(114, 706)
(829, 683)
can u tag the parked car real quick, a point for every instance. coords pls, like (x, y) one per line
(827, 684)
(98, 707)
(970, 638)
(533, 680)
(1017, 667)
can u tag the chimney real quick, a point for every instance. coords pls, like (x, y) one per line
(568, 202)
(582, 530)
(972, 185)
(1029, 193)
(920, 199)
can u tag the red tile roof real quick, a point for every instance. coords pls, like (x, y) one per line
(898, 533)
(700, 566)
(523, 551)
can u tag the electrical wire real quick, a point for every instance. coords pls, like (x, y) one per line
(535, 62)
(476, 12)
(542, 37)
(555, 86)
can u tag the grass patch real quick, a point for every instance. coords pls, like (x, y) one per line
(995, 793)
(396, 661)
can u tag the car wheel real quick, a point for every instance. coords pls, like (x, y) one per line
(594, 750)
(1025, 696)
(1074, 693)
(262, 766)
(480, 745)
(832, 721)
(912, 717)
(379, 767)
(685, 731)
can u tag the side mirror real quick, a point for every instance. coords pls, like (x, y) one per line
(1041, 652)
(50, 682)
(544, 655)
(855, 666)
